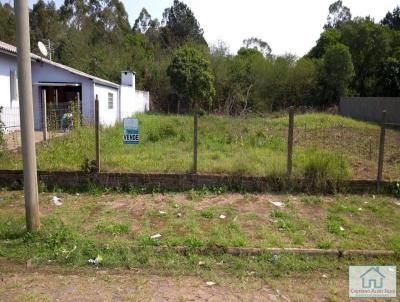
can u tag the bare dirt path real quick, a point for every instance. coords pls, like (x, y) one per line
(52, 283)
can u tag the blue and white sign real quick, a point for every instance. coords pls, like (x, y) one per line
(131, 131)
(372, 281)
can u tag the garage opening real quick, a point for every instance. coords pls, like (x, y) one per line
(61, 103)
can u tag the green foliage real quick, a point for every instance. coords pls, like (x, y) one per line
(336, 73)
(191, 76)
(2, 132)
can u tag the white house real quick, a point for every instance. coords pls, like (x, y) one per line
(58, 85)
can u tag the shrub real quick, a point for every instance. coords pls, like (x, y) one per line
(322, 169)
(162, 133)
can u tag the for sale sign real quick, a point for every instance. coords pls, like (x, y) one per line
(131, 131)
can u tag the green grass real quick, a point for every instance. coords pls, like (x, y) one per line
(111, 224)
(326, 147)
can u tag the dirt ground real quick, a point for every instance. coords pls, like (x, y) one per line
(17, 283)
(13, 139)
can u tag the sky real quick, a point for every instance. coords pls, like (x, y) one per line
(289, 26)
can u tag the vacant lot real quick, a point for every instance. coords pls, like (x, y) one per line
(333, 146)
(109, 224)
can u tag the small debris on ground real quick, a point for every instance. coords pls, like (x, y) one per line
(209, 283)
(275, 259)
(359, 209)
(57, 201)
(397, 203)
(29, 263)
(157, 236)
(278, 204)
(342, 229)
(97, 261)
(234, 219)
(162, 212)
(373, 196)
(222, 217)
(201, 263)
(179, 215)
(325, 276)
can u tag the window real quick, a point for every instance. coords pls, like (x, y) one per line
(110, 100)
(13, 87)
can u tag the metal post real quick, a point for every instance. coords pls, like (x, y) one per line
(97, 130)
(195, 124)
(44, 114)
(290, 143)
(381, 149)
(78, 104)
(26, 116)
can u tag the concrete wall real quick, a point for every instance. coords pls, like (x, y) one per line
(108, 117)
(370, 108)
(133, 101)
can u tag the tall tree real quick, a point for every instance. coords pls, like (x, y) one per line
(258, 44)
(7, 24)
(191, 76)
(181, 26)
(336, 73)
(392, 20)
(338, 14)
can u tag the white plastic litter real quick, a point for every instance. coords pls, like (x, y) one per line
(342, 229)
(201, 263)
(209, 283)
(222, 217)
(360, 209)
(179, 215)
(162, 213)
(57, 201)
(96, 261)
(157, 236)
(397, 203)
(325, 276)
(278, 204)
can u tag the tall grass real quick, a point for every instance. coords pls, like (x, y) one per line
(242, 146)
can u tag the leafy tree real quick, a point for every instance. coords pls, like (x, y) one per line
(259, 45)
(181, 26)
(336, 73)
(7, 24)
(369, 44)
(392, 20)
(191, 76)
(389, 78)
(338, 14)
(328, 38)
(143, 22)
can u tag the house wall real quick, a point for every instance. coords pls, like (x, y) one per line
(10, 114)
(108, 116)
(42, 72)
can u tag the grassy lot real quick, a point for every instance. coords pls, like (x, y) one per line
(325, 146)
(109, 224)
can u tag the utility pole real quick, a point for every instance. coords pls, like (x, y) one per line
(26, 116)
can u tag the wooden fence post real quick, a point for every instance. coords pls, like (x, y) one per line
(44, 115)
(97, 130)
(381, 149)
(195, 124)
(290, 143)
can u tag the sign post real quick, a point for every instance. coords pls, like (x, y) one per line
(131, 131)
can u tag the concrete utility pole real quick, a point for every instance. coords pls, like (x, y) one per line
(26, 115)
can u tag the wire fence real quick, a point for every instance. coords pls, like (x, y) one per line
(246, 145)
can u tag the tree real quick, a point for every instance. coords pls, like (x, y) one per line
(191, 76)
(328, 38)
(45, 23)
(369, 45)
(336, 73)
(181, 26)
(392, 20)
(389, 78)
(143, 22)
(7, 24)
(338, 14)
(258, 44)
